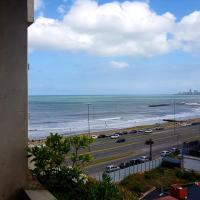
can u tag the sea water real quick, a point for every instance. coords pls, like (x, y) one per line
(70, 114)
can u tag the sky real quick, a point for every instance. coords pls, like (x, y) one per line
(90, 47)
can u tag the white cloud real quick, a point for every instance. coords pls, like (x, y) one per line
(37, 4)
(119, 64)
(187, 34)
(61, 9)
(130, 28)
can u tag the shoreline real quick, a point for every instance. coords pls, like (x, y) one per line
(165, 124)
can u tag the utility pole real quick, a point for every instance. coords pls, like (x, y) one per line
(89, 122)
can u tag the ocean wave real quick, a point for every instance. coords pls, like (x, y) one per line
(193, 104)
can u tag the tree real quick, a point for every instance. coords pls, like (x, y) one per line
(105, 189)
(80, 142)
(150, 142)
(49, 157)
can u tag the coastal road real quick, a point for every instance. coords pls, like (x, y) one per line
(106, 151)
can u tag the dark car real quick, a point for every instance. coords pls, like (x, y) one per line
(135, 162)
(121, 140)
(102, 136)
(159, 128)
(132, 131)
(125, 132)
(124, 165)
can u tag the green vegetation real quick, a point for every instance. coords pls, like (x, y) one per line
(160, 177)
(67, 181)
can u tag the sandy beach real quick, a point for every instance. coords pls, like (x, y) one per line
(165, 125)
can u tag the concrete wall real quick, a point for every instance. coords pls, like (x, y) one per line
(13, 97)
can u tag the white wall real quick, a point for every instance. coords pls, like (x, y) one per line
(191, 163)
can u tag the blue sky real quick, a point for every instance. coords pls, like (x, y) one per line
(106, 47)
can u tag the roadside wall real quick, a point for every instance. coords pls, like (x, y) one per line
(13, 97)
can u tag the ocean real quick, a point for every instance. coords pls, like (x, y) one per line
(69, 114)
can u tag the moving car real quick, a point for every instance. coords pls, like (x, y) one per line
(111, 168)
(114, 136)
(143, 159)
(132, 131)
(148, 131)
(102, 136)
(121, 140)
(94, 136)
(159, 128)
(141, 131)
(164, 153)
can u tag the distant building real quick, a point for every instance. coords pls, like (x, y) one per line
(190, 92)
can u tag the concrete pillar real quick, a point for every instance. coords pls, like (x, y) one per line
(13, 97)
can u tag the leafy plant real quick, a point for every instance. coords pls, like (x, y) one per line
(49, 157)
(77, 143)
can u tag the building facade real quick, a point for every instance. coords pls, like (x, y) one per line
(15, 16)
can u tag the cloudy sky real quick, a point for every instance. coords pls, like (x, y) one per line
(114, 47)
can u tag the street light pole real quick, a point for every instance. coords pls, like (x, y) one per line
(89, 123)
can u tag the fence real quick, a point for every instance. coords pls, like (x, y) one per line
(119, 175)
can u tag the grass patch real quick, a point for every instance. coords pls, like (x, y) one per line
(140, 183)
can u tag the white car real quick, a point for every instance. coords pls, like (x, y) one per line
(164, 153)
(143, 159)
(94, 136)
(148, 131)
(174, 149)
(114, 136)
(112, 168)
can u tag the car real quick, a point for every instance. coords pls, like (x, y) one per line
(148, 131)
(141, 131)
(124, 165)
(132, 131)
(134, 162)
(125, 132)
(159, 128)
(114, 136)
(102, 136)
(174, 149)
(143, 159)
(121, 140)
(112, 168)
(94, 136)
(164, 153)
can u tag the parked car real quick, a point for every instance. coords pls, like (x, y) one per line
(164, 153)
(148, 131)
(134, 162)
(132, 131)
(111, 168)
(114, 136)
(124, 165)
(143, 159)
(102, 136)
(94, 136)
(121, 140)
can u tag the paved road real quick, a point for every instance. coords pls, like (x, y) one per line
(134, 146)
